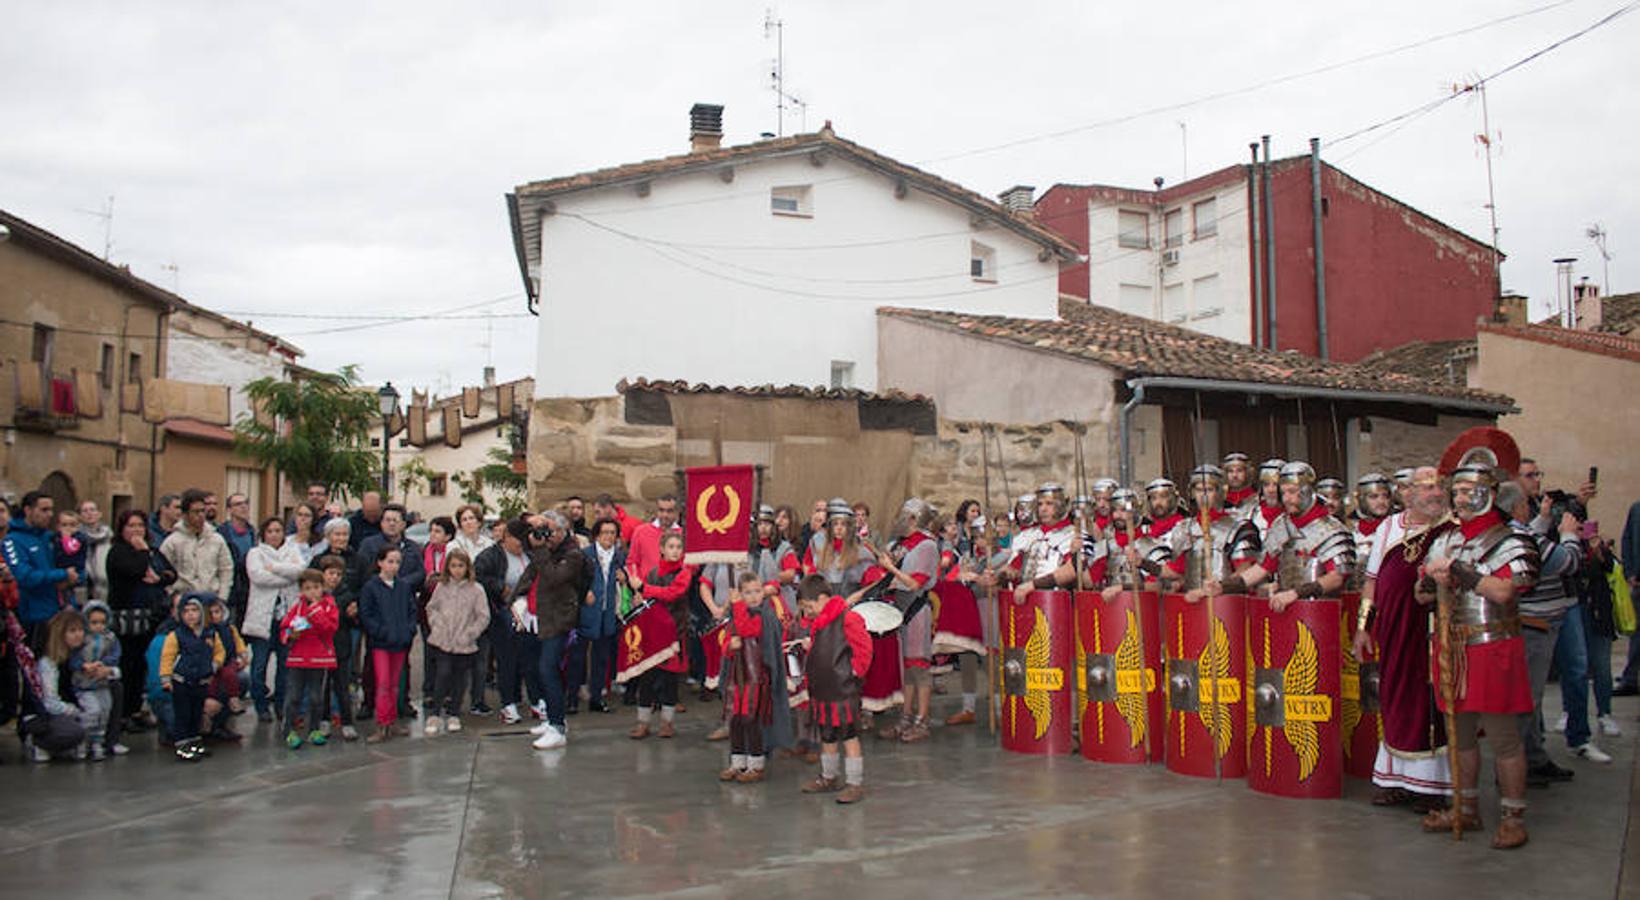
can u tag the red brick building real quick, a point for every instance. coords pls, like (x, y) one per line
(1194, 254)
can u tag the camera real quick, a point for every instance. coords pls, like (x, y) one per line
(541, 534)
(1562, 502)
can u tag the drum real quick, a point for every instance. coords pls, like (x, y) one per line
(1359, 724)
(1038, 650)
(880, 617)
(1118, 673)
(1206, 665)
(1292, 686)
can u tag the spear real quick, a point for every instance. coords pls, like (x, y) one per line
(1205, 523)
(1135, 585)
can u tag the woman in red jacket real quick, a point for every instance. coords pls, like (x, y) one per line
(307, 630)
(649, 649)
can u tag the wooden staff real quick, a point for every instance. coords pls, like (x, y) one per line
(1449, 696)
(992, 617)
(1135, 586)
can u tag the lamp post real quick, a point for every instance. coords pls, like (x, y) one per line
(388, 398)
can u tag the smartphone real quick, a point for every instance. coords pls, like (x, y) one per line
(1594, 475)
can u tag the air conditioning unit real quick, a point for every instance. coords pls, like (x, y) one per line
(1170, 257)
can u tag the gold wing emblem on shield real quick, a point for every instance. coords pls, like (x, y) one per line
(1302, 673)
(1036, 658)
(1350, 712)
(1129, 658)
(1215, 667)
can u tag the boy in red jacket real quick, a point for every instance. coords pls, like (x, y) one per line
(307, 630)
(839, 653)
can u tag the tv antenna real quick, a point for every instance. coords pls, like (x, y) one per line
(106, 214)
(176, 277)
(1486, 139)
(777, 76)
(1597, 234)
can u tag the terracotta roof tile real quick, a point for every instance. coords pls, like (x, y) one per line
(1620, 313)
(769, 391)
(1138, 347)
(1430, 360)
(1601, 342)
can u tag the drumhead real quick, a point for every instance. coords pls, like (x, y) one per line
(880, 617)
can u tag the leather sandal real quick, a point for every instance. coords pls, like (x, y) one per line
(966, 717)
(1511, 831)
(853, 793)
(822, 785)
(638, 732)
(750, 776)
(666, 730)
(1441, 820)
(728, 774)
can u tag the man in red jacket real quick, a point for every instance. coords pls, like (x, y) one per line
(839, 653)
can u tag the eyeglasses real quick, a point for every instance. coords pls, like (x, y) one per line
(1532, 475)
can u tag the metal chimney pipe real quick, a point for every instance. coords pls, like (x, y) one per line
(1257, 254)
(1320, 250)
(1269, 251)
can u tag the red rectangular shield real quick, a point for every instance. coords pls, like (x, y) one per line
(717, 518)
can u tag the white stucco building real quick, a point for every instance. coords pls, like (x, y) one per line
(762, 263)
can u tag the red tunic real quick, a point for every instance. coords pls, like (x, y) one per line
(1496, 680)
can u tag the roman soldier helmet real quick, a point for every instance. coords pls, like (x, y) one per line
(765, 513)
(1236, 458)
(1211, 478)
(1301, 474)
(1331, 488)
(1485, 480)
(1082, 506)
(1403, 477)
(1367, 484)
(918, 514)
(1271, 469)
(1483, 456)
(1124, 498)
(1024, 509)
(1054, 491)
(1164, 493)
(838, 508)
(1104, 486)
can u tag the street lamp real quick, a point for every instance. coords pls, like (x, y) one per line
(388, 399)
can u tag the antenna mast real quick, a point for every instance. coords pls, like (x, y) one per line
(777, 75)
(1597, 233)
(106, 214)
(1485, 138)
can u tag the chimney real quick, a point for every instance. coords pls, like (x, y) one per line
(1511, 309)
(705, 127)
(489, 376)
(1021, 199)
(1586, 295)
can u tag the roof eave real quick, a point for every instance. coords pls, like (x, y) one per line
(1287, 389)
(521, 253)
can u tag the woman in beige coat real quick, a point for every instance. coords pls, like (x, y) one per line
(457, 614)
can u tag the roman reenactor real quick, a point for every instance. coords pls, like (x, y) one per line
(1393, 627)
(1239, 489)
(1266, 508)
(1044, 554)
(1307, 552)
(751, 665)
(839, 653)
(914, 562)
(1403, 480)
(1232, 540)
(1335, 496)
(775, 561)
(837, 555)
(1162, 519)
(1102, 489)
(1125, 558)
(1482, 565)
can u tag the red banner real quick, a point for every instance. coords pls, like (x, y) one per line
(717, 516)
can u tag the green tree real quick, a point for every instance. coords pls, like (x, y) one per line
(511, 488)
(315, 429)
(413, 472)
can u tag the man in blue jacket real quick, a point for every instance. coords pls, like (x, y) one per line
(29, 556)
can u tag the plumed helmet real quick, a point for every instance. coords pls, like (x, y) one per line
(1303, 475)
(1484, 478)
(1270, 469)
(838, 508)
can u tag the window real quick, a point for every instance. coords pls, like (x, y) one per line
(1206, 300)
(1133, 229)
(133, 368)
(791, 200)
(1206, 217)
(982, 262)
(1175, 305)
(404, 443)
(105, 374)
(438, 485)
(1136, 300)
(842, 373)
(45, 337)
(1173, 228)
(376, 442)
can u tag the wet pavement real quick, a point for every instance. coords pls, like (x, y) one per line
(480, 814)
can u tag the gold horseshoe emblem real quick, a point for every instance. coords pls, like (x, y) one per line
(710, 525)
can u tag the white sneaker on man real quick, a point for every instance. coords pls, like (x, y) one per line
(551, 739)
(539, 710)
(509, 714)
(1560, 724)
(1608, 727)
(541, 729)
(1592, 753)
(434, 725)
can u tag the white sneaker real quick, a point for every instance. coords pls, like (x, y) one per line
(541, 729)
(551, 739)
(1608, 727)
(1592, 753)
(434, 726)
(119, 749)
(1560, 724)
(509, 714)
(36, 754)
(539, 710)
(452, 724)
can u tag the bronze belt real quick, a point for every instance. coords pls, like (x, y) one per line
(1489, 632)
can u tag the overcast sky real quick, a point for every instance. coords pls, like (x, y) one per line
(352, 158)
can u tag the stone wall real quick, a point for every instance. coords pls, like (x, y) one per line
(586, 447)
(1394, 444)
(950, 466)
